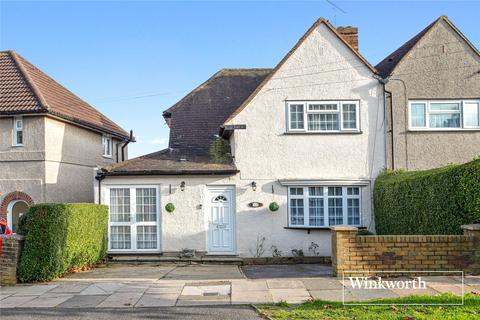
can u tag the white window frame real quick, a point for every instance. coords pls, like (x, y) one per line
(428, 111)
(107, 141)
(338, 111)
(17, 129)
(325, 196)
(133, 217)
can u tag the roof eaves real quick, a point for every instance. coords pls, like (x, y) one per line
(123, 136)
(41, 100)
(287, 56)
(170, 172)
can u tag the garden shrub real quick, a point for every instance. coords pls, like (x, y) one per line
(436, 201)
(61, 237)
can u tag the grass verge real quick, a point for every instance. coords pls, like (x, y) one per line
(327, 310)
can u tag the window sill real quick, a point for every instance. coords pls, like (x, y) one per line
(107, 157)
(17, 145)
(444, 130)
(318, 228)
(288, 133)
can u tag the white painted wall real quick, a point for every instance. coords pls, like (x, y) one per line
(321, 68)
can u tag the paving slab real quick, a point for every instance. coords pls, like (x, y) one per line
(322, 284)
(73, 288)
(205, 272)
(290, 295)
(93, 290)
(249, 285)
(121, 300)
(4, 295)
(160, 289)
(331, 295)
(371, 294)
(47, 301)
(446, 288)
(79, 301)
(31, 290)
(202, 301)
(287, 271)
(206, 290)
(285, 284)
(247, 297)
(157, 300)
(411, 292)
(121, 272)
(15, 301)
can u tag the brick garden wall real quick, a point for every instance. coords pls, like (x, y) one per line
(9, 258)
(351, 252)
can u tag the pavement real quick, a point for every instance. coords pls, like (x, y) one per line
(127, 287)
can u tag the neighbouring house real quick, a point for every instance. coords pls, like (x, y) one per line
(433, 99)
(51, 141)
(307, 135)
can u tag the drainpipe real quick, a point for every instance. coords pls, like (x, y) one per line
(130, 139)
(99, 177)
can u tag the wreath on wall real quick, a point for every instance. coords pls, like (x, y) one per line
(170, 207)
(273, 206)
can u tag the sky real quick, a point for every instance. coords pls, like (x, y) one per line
(132, 59)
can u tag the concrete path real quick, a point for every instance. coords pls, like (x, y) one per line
(120, 287)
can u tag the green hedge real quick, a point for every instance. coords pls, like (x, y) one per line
(434, 201)
(59, 237)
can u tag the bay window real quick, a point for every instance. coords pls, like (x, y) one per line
(444, 115)
(323, 116)
(323, 206)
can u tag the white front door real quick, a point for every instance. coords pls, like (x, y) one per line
(133, 223)
(221, 220)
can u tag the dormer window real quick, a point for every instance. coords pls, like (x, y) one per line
(107, 146)
(17, 131)
(323, 116)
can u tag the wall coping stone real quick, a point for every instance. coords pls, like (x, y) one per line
(474, 227)
(343, 228)
(13, 236)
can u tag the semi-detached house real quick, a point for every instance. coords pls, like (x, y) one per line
(308, 135)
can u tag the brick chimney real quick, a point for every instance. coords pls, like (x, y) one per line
(349, 34)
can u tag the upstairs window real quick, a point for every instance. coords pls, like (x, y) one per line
(17, 131)
(107, 146)
(444, 115)
(323, 206)
(323, 116)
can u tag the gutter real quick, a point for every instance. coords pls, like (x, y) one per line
(130, 139)
(168, 173)
(99, 177)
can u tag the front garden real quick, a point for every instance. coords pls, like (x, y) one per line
(327, 310)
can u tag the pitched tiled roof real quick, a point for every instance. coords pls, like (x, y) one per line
(196, 119)
(194, 122)
(285, 58)
(26, 89)
(168, 162)
(388, 65)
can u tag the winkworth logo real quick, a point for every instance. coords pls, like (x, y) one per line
(368, 283)
(378, 287)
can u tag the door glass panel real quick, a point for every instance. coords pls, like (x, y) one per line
(119, 205)
(146, 237)
(120, 237)
(146, 204)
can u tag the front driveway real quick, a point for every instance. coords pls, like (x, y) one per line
(127, 286)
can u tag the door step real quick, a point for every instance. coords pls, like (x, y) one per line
(143, 258)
